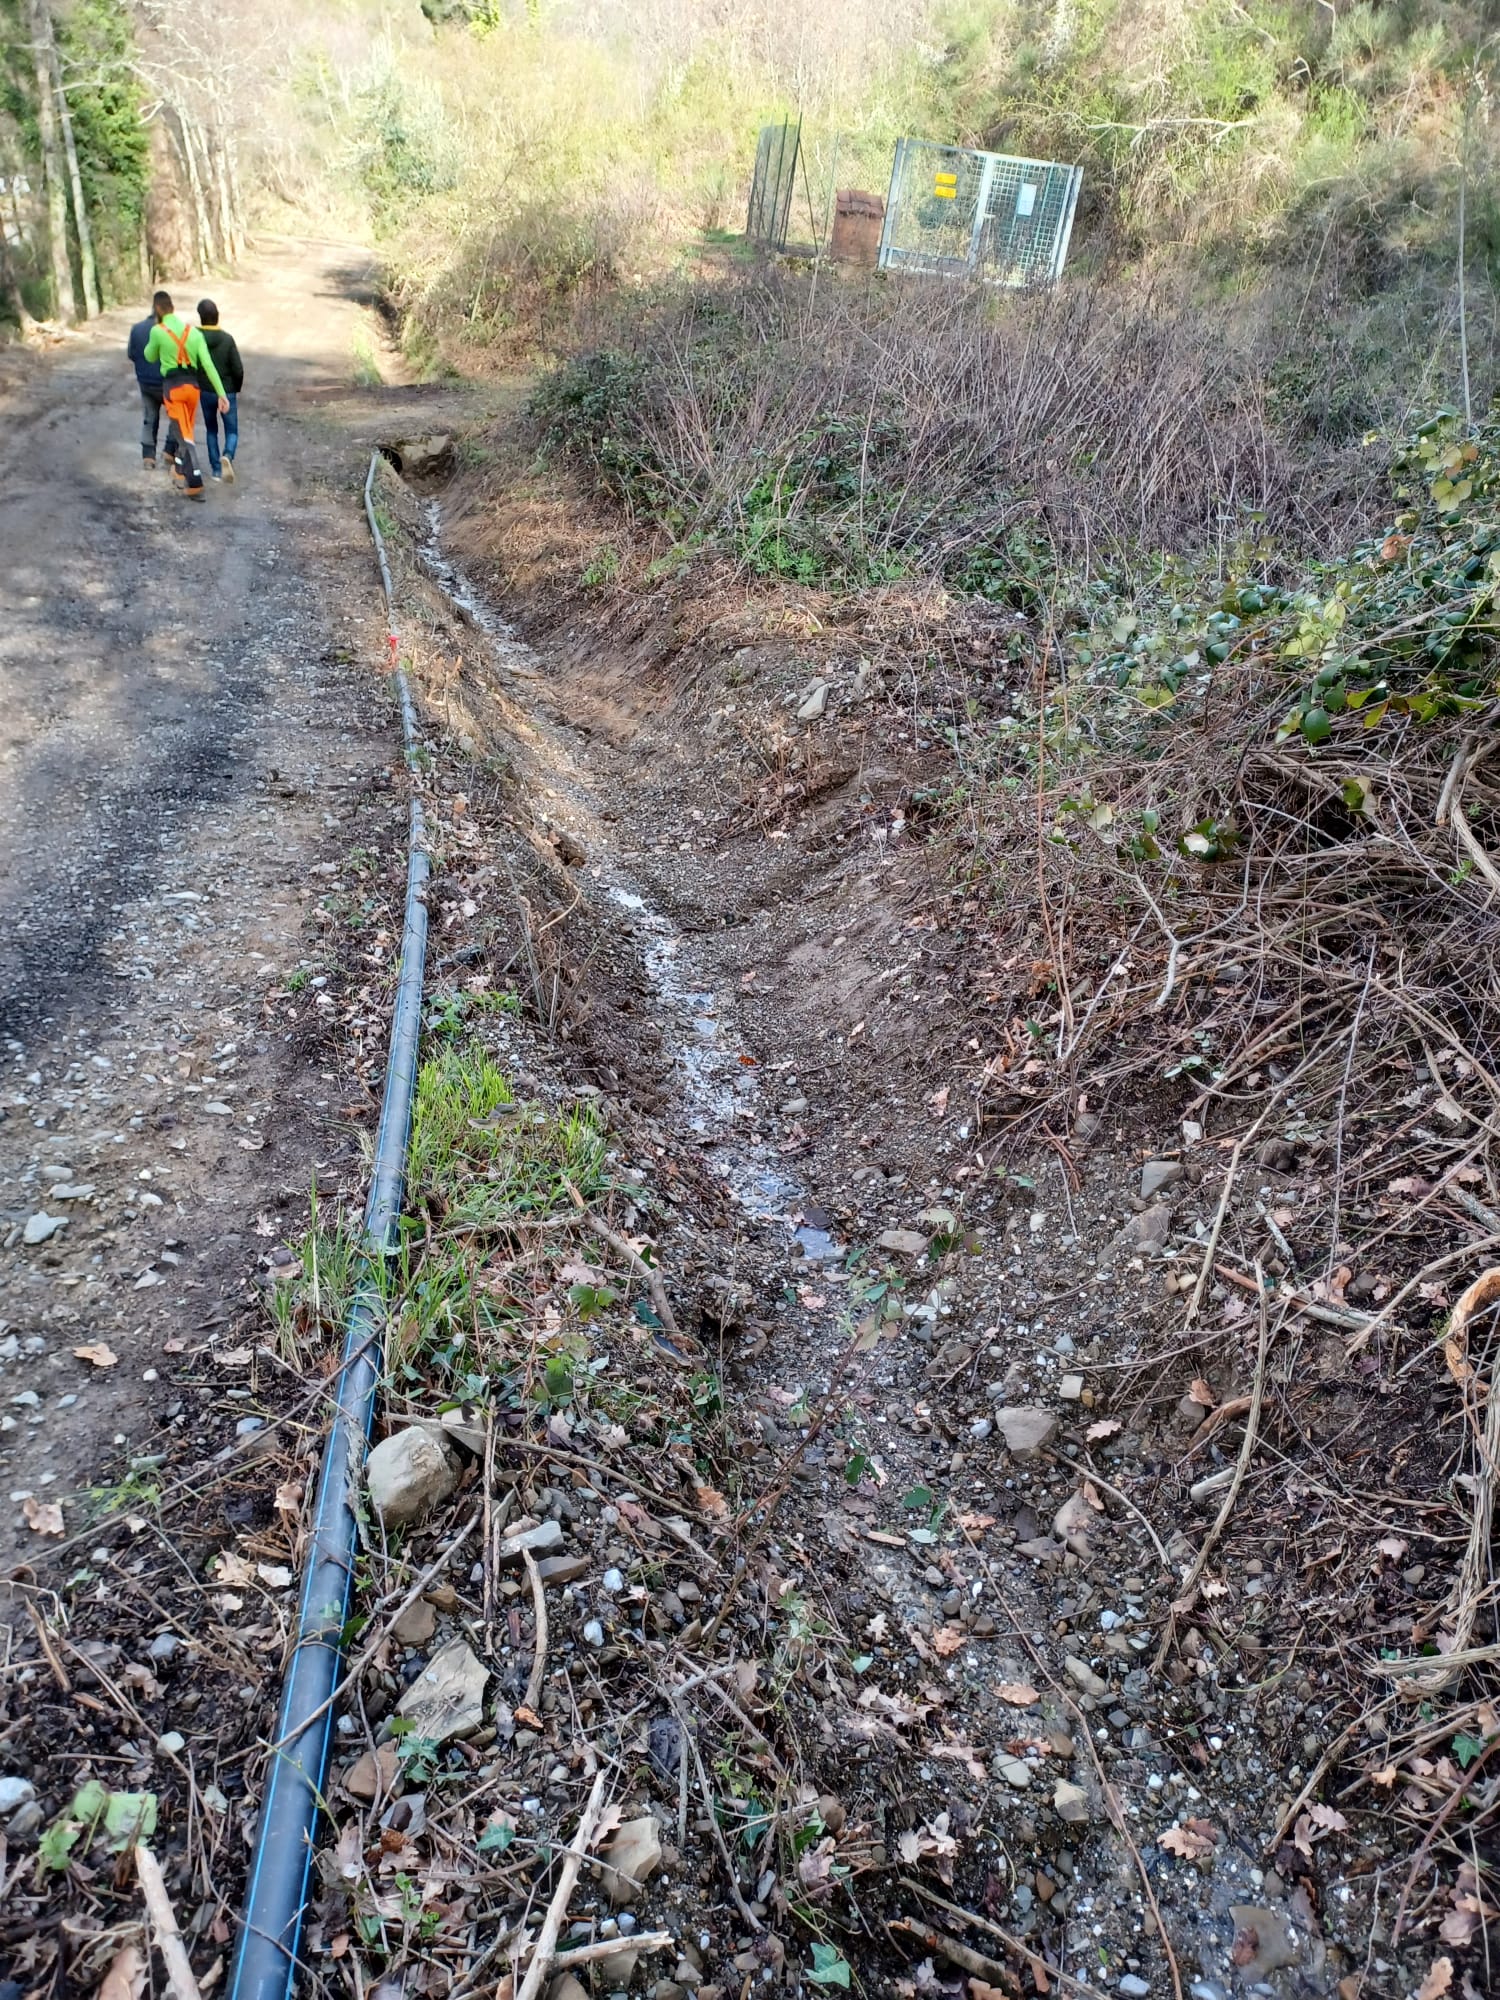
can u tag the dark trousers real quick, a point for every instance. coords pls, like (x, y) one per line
(150, 419)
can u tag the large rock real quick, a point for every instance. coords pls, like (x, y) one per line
(1073, 1522)
(446, 1700)
(1027, 1431)
(902, 1242)
(408, 1474)
(427, 457)
(1148, 1231)
(632, 1857)
(1264, 1940)
(1070, 1802)
(546, 1539)
(1083, 1675)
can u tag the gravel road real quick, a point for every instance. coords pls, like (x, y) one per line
(192, 725)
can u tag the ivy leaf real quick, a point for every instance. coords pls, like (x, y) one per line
(1466, 1748)
(829, 1966)
(56, 1845)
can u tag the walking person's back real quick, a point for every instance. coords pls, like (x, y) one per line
(225, 352)
(148, 381)
(178, 350)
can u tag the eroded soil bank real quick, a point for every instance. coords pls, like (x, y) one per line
(959, 1424)
(968, 1521)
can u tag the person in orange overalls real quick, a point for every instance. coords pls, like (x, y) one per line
(181, 352)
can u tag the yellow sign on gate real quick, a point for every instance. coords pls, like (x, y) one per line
(945, 187)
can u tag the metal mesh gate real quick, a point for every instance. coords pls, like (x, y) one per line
(954, 213)
(771, 190)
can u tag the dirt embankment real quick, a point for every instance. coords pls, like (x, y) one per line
(1048, 1447)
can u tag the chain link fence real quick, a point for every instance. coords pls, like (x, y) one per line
(947, 211)
(774, 185)
(953, 212)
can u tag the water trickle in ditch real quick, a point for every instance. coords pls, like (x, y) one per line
(720, 1093)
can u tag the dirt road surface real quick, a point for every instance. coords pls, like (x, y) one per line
(192, 721)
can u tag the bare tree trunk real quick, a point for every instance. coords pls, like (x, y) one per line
(10, 288)
(236, 195)
(75, 180)
(177, 125)
(220, 163)
(193, 148)
(40, 23)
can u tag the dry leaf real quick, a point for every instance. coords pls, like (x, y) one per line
(1385, 1776)
(975, 1524)
(931, 1842)
(815, 1869)
(1214, 1588)
(712, 1503)
(1392, 1546)
(1459, 1926)
(1185, 1842)
(126, 1975)
(1439, 1979)
(948, 1639)
(43, 1517)
(1200, 1392)
(1093, 1496)
(1328, 1818)
(1106, 1427)
(1017, 1694)
(99, 1355)
(233, 1571)
(288, 1500)
(275, 1576)
(962, 1753)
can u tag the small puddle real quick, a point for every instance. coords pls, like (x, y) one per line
(720, 1091)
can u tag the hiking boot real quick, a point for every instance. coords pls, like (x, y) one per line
(229, 470)
(148, 465)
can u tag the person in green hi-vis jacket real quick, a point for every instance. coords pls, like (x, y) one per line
(181, 353)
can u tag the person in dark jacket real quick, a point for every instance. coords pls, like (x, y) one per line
(148, 380)
(226, 354)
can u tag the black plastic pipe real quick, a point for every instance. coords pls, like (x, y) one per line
(276, 1899)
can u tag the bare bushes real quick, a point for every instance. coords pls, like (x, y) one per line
(900, 428)
(516, 274)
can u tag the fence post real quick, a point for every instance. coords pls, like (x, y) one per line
(981, 211)
(898, 161)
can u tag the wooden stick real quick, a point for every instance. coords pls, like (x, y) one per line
(1460, 1791)
(588, 1954)
(1033, 1958)
(1230, 1172)
(634, 1259)
(169, 1943)
(367, 1653)
(1242, 1466)
(546, 1944)
(964, 1955)
(725, 1856)
(539, 1656)
(1086, 1736)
